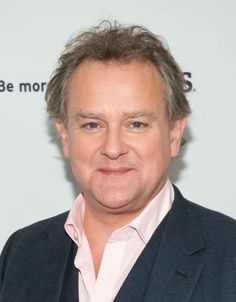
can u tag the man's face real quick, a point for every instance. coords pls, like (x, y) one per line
(118, 138)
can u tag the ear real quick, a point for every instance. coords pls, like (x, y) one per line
(176, 132)
(62, 130)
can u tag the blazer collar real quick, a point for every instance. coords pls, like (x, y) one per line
(171, 263)
(180, 258)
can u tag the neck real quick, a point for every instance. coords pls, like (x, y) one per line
(98, 227)
(103, 223)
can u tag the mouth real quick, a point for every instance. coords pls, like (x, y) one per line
(115, 171)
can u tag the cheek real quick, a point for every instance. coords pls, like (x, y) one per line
(78, 150)
(155, 159)
(81, 153)
(80, 161)
(155, 149)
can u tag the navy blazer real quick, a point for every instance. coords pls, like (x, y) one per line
(190, 257)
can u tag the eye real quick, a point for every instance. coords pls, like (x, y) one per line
(91, 126)
(138, 125)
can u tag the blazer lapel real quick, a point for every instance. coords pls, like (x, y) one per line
(135, 285)
(63, 277)
(180, 258)
(69, 292)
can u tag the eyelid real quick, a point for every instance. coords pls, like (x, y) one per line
(140, 127)
(139, 122)
(89, 123)
(88, 126)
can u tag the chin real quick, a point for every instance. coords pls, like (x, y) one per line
(114, 200)
(113, 195)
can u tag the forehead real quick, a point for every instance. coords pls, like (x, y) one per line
(115, 84)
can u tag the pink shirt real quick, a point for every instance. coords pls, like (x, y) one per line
(121, 251)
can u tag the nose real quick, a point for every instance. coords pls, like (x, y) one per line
(113, 145)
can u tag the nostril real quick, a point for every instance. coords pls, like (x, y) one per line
(113, 146)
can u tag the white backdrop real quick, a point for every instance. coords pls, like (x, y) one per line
(35, 182)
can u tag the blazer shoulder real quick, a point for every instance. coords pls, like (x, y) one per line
(213, 225)
(42, 225)
(33, 232)
(214, 220)
(34, 236)
(206, 215)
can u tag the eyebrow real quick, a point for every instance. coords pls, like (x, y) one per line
(143, 113)
(131, 114)
(87, 114)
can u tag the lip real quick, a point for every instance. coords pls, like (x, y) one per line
(115, 171)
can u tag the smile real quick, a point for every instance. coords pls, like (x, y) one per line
(115, 171)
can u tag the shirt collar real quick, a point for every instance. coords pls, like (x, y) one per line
(152, 215)
(144, 224)
(74, 222)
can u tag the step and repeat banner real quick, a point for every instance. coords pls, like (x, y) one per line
(36, 182)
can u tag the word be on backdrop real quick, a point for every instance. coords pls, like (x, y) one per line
(23, 87)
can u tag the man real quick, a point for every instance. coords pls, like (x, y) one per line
(117, 99)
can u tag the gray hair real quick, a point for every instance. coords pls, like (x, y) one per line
(114, 42)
